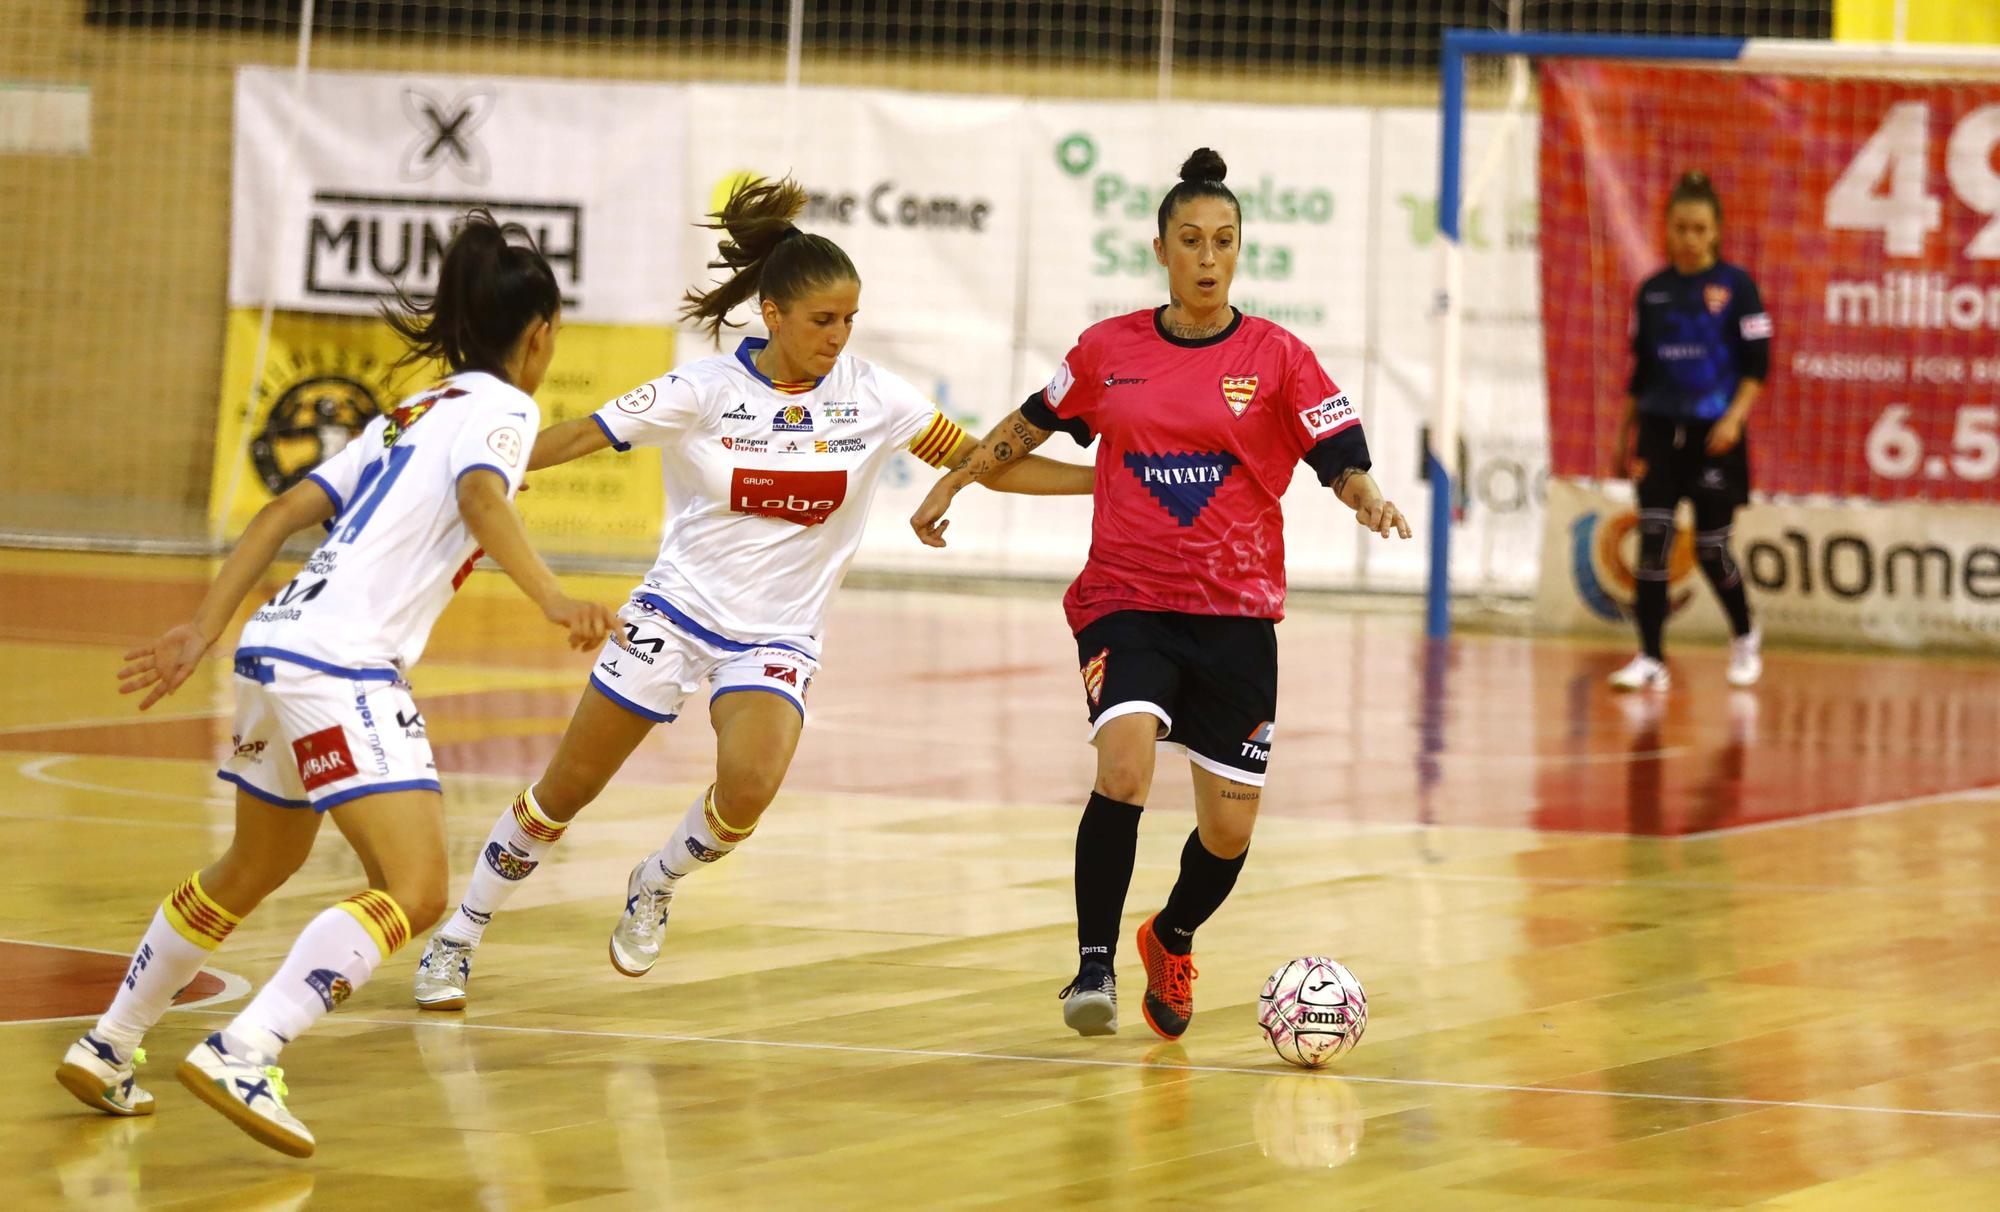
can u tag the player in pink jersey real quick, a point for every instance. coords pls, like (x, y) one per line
(770, 456)
(1201, 415)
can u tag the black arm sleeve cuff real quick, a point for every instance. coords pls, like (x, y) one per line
(1339, 452)
(1035, 411)
(1756, 360)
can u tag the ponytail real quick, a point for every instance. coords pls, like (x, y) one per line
(767, 257)
(493, 284)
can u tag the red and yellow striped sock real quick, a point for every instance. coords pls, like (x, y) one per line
(186, 927)
(335, 955)
(515, 846)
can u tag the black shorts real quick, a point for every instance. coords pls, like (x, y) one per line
(1211, 680)
(1678, 465)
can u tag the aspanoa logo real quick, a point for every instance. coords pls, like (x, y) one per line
(1604, 555)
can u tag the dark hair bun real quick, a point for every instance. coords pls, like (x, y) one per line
(1695, 179)
(1204, 165)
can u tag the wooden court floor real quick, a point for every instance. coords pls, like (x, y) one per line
(1708, 950)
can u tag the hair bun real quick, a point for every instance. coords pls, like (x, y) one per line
(1204, 165)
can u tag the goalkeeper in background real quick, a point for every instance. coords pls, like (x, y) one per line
(1701, 345)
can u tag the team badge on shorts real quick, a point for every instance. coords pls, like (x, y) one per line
(1093, 676)
(1717, 298)
(1238, 391)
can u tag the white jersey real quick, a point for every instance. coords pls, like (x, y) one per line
(767, 487)
(397, 548)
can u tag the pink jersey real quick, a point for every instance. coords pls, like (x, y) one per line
(1199, 439)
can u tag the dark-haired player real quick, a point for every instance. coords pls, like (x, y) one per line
(1701, 347)
(1201, 415)
(324, 718)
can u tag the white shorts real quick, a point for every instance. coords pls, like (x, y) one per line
(664, 656)
(306, 739)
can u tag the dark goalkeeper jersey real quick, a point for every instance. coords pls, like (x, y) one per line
(1694, 338)
(1199, 442)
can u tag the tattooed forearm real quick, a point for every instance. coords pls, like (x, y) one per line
(1340, 482)
(1010, 442)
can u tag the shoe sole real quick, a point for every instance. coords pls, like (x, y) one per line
(1091, 1015)
(455, 1002)
(255, 1126)
(89, 1090)
(612, 949)
(1157, 1029)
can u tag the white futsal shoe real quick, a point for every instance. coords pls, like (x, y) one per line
(635, 941)
(249, 1095)
(92, 1071)
(443, 973)
(1642, 673)
(1746, 658)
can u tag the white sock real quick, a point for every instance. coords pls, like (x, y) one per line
(187, 928)
(701, 837)
(336, 954)
(520, 840)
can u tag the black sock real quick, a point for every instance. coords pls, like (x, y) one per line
(1727, 581)
(1204, 884)
(1107, 843)
(1651, 609)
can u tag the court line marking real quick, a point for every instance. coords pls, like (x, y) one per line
(38, 770)
(1159, 1066)
(233, 986)
(1840, 814)
(1474, 877)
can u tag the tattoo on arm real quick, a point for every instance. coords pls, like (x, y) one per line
(1340, 482)
(997, 450)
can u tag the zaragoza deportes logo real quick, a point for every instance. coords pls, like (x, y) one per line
(1604, 553)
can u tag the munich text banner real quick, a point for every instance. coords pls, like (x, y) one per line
(1902, 575)
(1869, 213)
(385, 163)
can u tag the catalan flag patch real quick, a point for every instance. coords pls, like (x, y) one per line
(935, 444)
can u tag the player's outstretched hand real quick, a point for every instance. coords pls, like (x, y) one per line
(160, 667)
(1724, 434)
(1382, 516)
(929, 520)
(587, 622)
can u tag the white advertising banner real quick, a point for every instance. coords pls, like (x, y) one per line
(924, 193)
(1902, 575)
(386, 162)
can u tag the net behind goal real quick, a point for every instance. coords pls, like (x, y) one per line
(1859, 188)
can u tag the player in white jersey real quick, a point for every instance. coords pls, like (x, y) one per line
(324, 718)
(771, 456)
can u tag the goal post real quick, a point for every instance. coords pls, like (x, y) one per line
(1881, 189)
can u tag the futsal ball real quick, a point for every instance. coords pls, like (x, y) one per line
(1312, 1010)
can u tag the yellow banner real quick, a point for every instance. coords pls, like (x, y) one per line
(326, 376)
(1924, 21)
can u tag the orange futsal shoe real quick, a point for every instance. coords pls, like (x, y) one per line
(1169, 1000)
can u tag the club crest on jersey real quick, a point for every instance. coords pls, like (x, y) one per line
(1717, 298)
(1238, 391)
(793, 418)
(1184, 482)
(1093, 676)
